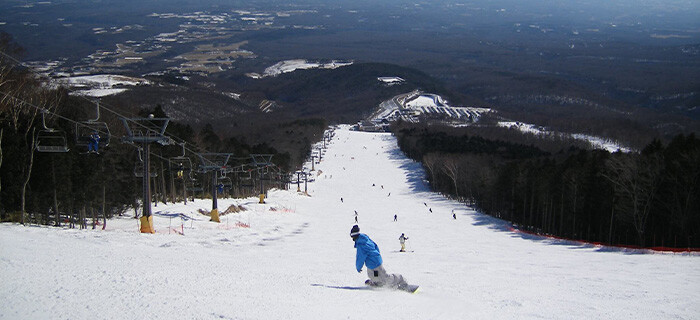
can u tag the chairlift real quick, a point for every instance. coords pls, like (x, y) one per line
(194, 186)
(181, 167)
(226, 182)
(181, 164)
(49, 139)
(84, 132)
(138, 168)
(146, 130)
(264, 174)
(247, 181)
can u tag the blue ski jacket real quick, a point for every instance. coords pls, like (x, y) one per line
(367, 253)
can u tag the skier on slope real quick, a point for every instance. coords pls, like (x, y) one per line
(402, 240)
(368, 255)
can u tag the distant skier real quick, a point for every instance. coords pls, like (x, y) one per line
(94, 142)
(368, 255)
(395, 217)
(402, 240)
(425, 204)
(389, 194)
(430, 209)
(341, 199)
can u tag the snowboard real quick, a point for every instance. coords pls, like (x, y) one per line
(410, 288)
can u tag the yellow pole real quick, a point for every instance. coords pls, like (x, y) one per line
(215, 215)
(147, 224)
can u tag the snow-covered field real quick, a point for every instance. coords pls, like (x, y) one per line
(99, 85)
(296, 259)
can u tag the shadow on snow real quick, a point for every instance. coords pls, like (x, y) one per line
(341, 287)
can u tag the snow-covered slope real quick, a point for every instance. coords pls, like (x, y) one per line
(296, 259)
(99, 85)
(596, 142)
(297, 64)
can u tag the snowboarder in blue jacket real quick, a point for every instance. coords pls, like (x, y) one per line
(368, 255)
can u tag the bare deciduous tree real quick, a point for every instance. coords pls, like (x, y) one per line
(430, 161)
(635, 179)
(451, 166)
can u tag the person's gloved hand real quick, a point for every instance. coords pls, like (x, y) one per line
(359, 271)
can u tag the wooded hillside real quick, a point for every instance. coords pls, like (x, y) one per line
(648, 198)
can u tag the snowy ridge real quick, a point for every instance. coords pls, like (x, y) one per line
(390, 81)
(297, 64)
(596, 142)
(292, 258)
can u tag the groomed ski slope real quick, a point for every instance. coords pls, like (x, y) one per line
(296, 260)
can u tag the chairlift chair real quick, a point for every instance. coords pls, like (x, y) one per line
(85, 129)
(138, 167)
(138, 171)
(181, 164)
(264, 174)
(194, 186)
(247, 181)
(49, 139)
(226, 182)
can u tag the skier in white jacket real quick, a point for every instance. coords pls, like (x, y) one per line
(402, 240)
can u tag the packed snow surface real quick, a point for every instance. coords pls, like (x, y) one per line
(292, 258)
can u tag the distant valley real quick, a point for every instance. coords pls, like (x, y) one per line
(629, 77)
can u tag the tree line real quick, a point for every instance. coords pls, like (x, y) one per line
(648, 198)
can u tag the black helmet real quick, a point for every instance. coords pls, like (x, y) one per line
(355, 231)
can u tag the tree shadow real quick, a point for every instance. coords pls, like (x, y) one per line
(415, 175)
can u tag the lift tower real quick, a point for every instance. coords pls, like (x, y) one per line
(214, 163)
(142, 132)
(262, 162)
